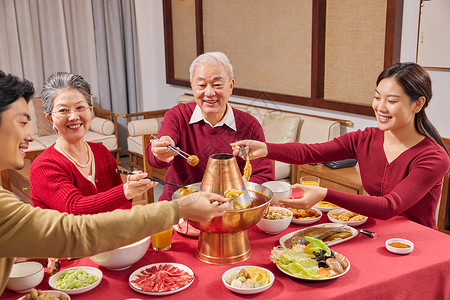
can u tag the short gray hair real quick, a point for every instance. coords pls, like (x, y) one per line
(60, 82)
(212, 58)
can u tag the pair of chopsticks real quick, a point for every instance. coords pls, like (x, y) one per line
(177, 150)
(244, 153)
(151, 178)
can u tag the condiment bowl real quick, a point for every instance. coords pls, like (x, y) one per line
(275, 226)
(280, 190)
(24, 276)
(397, 250)
(123, 257)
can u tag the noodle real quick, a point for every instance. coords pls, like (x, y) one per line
(247, 169)
(186, 191)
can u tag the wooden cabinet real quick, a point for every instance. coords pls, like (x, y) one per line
(345, 180)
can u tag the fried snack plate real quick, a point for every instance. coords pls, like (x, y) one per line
(331, 243)
(133, 276)
(315, 279)
(307, 221)
(352, 223)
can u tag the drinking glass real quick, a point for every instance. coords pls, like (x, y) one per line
(162, 241)
(310, 180)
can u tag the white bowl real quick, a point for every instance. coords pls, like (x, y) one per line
(247, 291)
(275, 226)
(85, 289)
(25, 275)
(280, 190)
(123, 257)
(400, 250)
(352, 223)
(308, 221)
(52, 293)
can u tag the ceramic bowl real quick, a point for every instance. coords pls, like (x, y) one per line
(280, 190)
(244, 291)
(397, 250)
(123, 257)
(24, 276)
(90, 270)
(275, 226)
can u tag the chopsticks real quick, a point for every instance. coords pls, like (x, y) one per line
(151, 178)
(244, 153)
(179, 151)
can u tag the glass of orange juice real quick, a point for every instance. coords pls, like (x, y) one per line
(162, 241)
(310, 180)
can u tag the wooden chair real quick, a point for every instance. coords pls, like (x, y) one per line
(444, 207)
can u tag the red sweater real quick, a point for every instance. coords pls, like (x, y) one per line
(56, 183)
(410, 185)
(203, 140)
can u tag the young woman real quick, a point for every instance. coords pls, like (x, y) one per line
(402, 162)
(72, 175)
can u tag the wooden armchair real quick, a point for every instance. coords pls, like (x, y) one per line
(444, 206)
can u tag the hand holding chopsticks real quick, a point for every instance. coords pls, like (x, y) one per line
(191, 159)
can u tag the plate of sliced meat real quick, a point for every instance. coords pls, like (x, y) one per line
(161, 279)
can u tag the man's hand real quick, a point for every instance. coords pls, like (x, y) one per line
(160, 149)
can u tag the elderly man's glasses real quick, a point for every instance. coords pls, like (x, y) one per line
(65, 112)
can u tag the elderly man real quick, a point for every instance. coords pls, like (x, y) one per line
(38, 233)
(205, 127)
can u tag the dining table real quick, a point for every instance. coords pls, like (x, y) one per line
(375, 273)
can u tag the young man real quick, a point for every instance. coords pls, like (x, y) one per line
(37, 233)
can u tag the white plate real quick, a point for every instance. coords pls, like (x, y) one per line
(184, 228)
(52, 293)
(247, 291)
(316, 279)
(90, 270)
(334, 242)
(324, 209)
(133, 276)
(354, 223)
(307, 221)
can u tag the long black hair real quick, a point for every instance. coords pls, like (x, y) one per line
(11, 89)
(416, 82)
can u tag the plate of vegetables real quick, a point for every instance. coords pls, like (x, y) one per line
(161, 279)
(248, 280)
(76, 280)
(315, 261)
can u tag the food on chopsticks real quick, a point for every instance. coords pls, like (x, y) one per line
(186, 191)
(247, 169)
(193, 160)
(75, 279)
(346, 216)
(275, 213)
(162, 278)
(248, 278)
(324, 233)
(35, 294)
(313, 261)
(325, 204)
(232, 194)
(304, 213)
(399, 245)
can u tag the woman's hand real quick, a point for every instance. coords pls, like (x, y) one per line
(202, 206)
(137, 184)
(255, 149)
(311, 195)
(160, 149)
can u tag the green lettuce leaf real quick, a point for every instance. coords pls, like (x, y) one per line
(317, 244)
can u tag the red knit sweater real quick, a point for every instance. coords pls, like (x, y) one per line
(56, 183)
(203, 140)
(410, 185)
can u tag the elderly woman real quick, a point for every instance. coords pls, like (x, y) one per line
(402, 161)
(72, 175)
(205, 127)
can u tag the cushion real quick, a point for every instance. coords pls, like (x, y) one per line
(185, 99)
(316, 130)
(44, 126)
(141, 127)
(279, 127)
(134, 144)
(102, 126)
(282, 170)
(109, 141)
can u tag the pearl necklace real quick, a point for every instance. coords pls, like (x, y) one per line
(71, 158)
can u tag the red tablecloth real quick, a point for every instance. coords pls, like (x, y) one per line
(375, 273)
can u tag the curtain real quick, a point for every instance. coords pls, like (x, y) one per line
(95, 38)
(116, 48)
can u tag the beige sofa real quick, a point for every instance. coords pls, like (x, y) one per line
(103, 129)
(279, 127)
